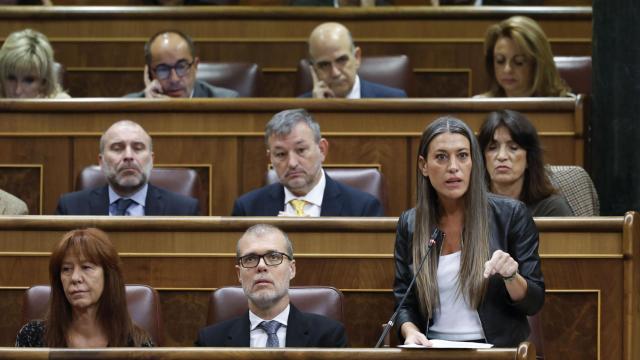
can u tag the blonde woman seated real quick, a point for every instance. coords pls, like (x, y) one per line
(88, 308)
(515, 166)
(27, 67)
(519, 62)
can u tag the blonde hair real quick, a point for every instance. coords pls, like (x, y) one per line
(533, 42)
(28, 52)
(475, 232)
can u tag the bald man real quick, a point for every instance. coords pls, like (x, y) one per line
(171, 67)
(126, 160)
(335, 61)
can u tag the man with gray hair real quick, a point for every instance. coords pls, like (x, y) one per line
(265, 266)
(297, 150)
(335, 61)
(126, 160)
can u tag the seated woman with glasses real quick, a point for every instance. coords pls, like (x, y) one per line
(27, 67)
(88, 307)
(514, 163)
(519, 62)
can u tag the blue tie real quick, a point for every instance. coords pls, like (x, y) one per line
(122, 205)
(271, 328)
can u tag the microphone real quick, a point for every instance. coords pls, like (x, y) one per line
(435, 235)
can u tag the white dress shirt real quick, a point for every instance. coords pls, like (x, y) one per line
(355, 90)
(313, 207)
(258, 337)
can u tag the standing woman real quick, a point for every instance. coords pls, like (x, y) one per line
(514, 163)
(483, 276)
(27, 67)
(88, 307)
(519, 62)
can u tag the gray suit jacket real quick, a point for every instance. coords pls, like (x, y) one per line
(201, 89)
(11, 205)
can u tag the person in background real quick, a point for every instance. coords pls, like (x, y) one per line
(515, 166)
(88, 307)
(519, 62)
(482, 276)
(27, 67)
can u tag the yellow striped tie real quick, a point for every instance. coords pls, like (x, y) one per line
(298, 206)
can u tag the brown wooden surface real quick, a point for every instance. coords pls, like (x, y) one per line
(226, 136)
(589, 264)
(102, 47)
(524, 352)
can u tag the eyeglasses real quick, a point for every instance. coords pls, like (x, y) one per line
(164, 71)
(271, 259)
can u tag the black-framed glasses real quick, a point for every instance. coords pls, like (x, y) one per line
(163, 71)
(271, 259)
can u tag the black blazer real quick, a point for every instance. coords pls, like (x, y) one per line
(371, 90)
(511, 230)
(159, 202)
(303, 330)
(338, 200)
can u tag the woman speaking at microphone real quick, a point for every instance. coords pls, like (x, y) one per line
(482, 277)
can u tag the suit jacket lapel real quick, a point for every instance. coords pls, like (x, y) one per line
(297, 329)
(99, 201)
(365, 91)
(331, 199)
(154, 202)
(276, 203)
(238, 335)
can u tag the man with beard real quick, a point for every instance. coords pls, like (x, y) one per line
(126, 160)
(265, 265)
(296, 150)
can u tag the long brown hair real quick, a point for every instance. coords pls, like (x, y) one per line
(536, 184)
(475, 234)
(112, 314)
(533, 42)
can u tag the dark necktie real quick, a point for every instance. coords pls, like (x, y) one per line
(122, 205)
(271, 327)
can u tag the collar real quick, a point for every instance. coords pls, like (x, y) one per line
(139, 197)
(282, 318)
(313, 197)
(355, 90)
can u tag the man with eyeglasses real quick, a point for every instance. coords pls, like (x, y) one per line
(335, 61)
(265, 265)
(171, 67)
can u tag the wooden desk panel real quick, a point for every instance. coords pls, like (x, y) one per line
(227, 137)
(100, 44)
(590, 267)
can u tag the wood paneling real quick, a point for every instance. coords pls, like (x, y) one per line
(102, 48)
(226, 136)
(589, 264)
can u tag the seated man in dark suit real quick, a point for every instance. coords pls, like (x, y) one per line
(265, 267)
(126, 159)
(171, 67)
(334, 67)
(297, 150)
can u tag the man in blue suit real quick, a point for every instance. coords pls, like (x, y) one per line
(297, 150)
(265, 266)
(126, 160)
(335, 61)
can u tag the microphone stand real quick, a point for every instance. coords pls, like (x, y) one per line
(432, 241)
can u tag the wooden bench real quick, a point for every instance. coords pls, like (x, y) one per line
(590, 267)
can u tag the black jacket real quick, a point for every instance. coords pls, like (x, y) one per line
(512, 230)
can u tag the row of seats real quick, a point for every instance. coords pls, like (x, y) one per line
(572, 181)
(394, 71)
(225, 303)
